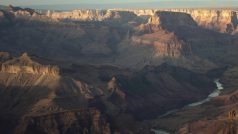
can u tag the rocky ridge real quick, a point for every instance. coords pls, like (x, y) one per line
(24, 64)
(77, 121)
(224, 21)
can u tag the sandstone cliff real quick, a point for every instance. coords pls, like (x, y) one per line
(219, 20)
(224, 21)
(24, 64)
(98, 15)
(86, 15)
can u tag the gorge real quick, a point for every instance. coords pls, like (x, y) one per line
(118, 71)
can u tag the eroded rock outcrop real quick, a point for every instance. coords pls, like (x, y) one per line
(24, 64)
(224, 21)
(219, 20)
(168, 20)
(88, 121)
(165, 44)
(85, 15)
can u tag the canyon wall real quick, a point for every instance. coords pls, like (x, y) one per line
(53, 70)
(220, 20)
(165, 44)
(82, 15)
(97, 15)
(24, 64)
(224, 21)
(78, 122)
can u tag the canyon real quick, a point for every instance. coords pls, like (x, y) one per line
(117, 71)
(224, 21)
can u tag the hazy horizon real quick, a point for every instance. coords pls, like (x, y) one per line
(105, 4)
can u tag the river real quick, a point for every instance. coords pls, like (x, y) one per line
(215, 93)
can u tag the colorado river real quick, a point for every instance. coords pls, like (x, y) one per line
(215, 93)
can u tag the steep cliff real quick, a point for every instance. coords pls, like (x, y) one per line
(85, 15)
(224, 21)
(24, 64)
(170, 20)
(166, 44)
(99, 15)
(88, 121)
(30, 91)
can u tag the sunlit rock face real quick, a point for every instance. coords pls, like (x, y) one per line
(224, 21)
(29, 69)
(97, 15)
(24, 64)
(220, 20)
(80, 121)
(85, 15)
(143, 12)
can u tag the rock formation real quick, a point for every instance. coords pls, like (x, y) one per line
(165, 44)
(24, 64)
(224, 21)
(219, 20)
(85, 15)
(88, 121)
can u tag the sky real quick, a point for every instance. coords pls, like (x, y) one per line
(120, 3)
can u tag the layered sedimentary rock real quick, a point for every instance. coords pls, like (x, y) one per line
(24, 64)
(88, 121)
(224, 21)
(35, 97)
(97, 15)
(219, 20)
(162, 18)
(86, 15)
(165, 44)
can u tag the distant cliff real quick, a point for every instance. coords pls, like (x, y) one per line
(220, 20)
(224, 21)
